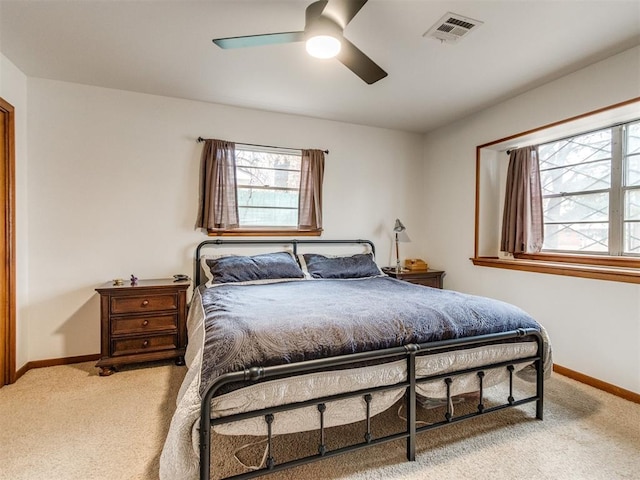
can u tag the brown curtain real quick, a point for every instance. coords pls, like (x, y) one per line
(522, 221)
(218, 188)
(310, 200)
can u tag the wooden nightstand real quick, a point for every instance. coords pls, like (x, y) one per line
(142, 323)
(429, 278)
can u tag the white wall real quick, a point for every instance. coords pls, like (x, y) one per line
(112, 190)
(594, 325)
(13, 89)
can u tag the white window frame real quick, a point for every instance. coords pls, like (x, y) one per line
(616, 192)
(267, 150)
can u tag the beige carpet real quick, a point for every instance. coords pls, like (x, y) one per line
(66, 423)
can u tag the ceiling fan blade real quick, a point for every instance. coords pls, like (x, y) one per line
(313, 12)
(343, 11)
(356, 61)
(257, 40)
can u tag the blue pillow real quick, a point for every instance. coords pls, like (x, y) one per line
(256, 268)
(360, 265)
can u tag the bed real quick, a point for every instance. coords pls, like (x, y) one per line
(293, 340)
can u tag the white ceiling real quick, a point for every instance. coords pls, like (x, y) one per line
(165, 48)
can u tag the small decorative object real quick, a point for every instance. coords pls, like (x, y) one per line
(398, 227)
(118, 282)
(134, 280)
(416, 265)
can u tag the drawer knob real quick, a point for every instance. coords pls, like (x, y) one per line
(145, 344)
(145, 303)
(145, 323)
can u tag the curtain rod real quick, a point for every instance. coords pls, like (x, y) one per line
(200, 140)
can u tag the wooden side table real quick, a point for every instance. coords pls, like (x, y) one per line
(429, 278)
(142, 322)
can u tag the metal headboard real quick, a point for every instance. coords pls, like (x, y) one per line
(292, 242)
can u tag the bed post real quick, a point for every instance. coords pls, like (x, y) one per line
(540, 377)
(412, 349)
(205, 435)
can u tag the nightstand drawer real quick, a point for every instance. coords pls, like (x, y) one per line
(427, 282)
(157, 323)
(128, 346)
(147, 303)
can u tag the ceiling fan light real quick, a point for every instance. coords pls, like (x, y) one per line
(323, 46)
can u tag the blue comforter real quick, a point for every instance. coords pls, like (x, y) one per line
(270, 324)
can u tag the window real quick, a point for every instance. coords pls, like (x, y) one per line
(268, 187)
(591, 192)
(590, 176)
(631, 189)
(258, 190)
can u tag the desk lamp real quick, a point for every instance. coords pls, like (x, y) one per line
(399, 227)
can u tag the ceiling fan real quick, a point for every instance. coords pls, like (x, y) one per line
(325, 21)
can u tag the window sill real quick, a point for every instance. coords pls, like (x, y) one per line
(598, 272)
(255, 232)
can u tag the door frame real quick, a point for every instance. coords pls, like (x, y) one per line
(8, 278)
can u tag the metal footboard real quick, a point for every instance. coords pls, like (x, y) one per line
(409, 353)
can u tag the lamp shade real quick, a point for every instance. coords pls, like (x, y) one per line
(323, 46)
(399, 227)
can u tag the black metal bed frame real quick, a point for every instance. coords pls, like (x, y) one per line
(408, 352)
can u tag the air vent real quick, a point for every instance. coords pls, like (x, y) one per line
(452, 27)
